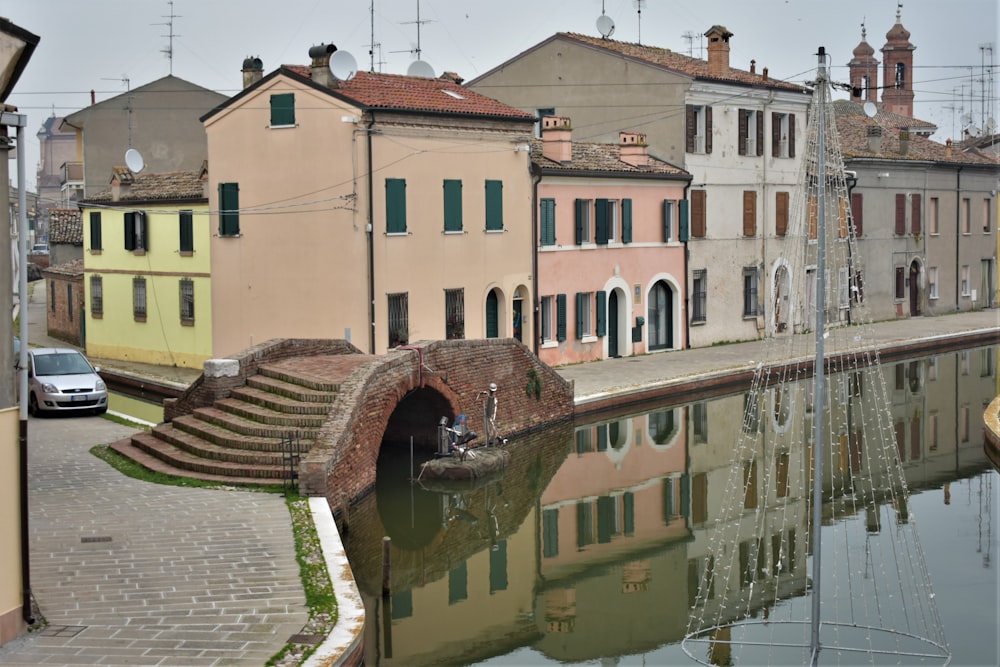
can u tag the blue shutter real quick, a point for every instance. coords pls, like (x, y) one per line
(395, 206)
(581, 207)
(684, 213)
(548, 234)
(626, 221)
(452, 205)
(494, 205)
(560, 317)
(580, 296)
(601, 222)
(602, 313)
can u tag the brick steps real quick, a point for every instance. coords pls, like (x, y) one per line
(128, 449)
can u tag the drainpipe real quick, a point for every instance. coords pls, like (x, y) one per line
(958, 237)
(536, 177)
(687, 287)
(371, 241)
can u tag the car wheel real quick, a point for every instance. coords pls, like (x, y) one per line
(33, 406)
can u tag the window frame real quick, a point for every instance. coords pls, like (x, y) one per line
(282, 107)
(96, 239)
(584, 315)
(454, 314)
(751, 289)
(398, 318)
(452, 205)
(96, 297)
(140, 305)
(229, 209)
(699, 297)
(546, 319)
(698, 122)
(932, 282)
(547, 222)
(136, 231)
(583, 219)
(185, 229)
(395, 206)
(494, 205)
(186, 301)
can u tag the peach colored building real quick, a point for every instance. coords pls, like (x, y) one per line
(378, 208)
(612, 225)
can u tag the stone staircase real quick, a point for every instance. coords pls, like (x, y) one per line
(238, 440)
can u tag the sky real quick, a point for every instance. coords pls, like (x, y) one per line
(110, 46)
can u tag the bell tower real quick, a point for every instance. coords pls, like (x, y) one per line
(897, 68)
(864, 71)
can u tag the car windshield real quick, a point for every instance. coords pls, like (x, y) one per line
(61, 364)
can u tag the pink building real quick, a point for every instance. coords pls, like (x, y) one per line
(611, 237)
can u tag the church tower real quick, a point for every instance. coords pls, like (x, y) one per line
(864, 71)
(897, 68)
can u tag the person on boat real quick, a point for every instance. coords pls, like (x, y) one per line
(459, 432)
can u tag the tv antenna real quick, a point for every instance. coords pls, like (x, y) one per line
(169, 51)
(639, 4)
(418, 67)
(689, 37)
(128, 108)
(373, 44)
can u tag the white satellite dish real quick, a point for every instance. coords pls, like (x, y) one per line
(870, 109)
(420, 68)
(343, 65)
(605, 26)
(134, 161)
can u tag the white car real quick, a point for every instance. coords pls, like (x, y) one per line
(62, 380)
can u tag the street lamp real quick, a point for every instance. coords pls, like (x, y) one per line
(16, 47)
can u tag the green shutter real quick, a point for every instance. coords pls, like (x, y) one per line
(95, 230)
(283, 109)
(492, 315)
(581, 207)
(684, 213)
(580, 302)
(130, 230)
(452, 205)
(628, 507)
(668, 209)
(602, 313)
(601, 222)
(186, 231)
(494, 205)
(395, 206)
(229, 209)
(548, 222)
(626, 221)
(144, 228)
(560, 317)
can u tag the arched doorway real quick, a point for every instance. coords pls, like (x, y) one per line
(492, 314)
(613, 336)
(519, 315)
(914, 288)
(660, 318)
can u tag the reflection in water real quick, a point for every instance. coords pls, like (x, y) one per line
(592, 545)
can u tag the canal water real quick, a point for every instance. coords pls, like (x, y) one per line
(587, 549)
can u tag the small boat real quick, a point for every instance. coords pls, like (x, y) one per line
(473, 463)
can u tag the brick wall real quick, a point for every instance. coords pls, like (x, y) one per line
(64, 305)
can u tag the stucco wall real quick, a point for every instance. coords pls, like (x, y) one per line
(11, 623)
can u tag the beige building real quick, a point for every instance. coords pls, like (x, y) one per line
(378, 208)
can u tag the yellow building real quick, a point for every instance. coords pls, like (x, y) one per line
(147, 267)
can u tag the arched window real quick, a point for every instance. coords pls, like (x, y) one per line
(900, 74)
(660, 320)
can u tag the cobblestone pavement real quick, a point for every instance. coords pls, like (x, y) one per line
(132, 573)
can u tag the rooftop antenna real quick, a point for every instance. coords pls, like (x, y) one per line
(689, 37)
(169, 51)
(128, 108)
(639, 4)
(418, 67)
(605, 25)
(373, 44)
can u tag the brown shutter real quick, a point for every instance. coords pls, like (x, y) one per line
(780, 213)
(692, 127)
(741, 143)
(775, 134)
(915, 226)
(760, 133)
(900, 214)
(749, 213)
(708, 129)
(791, 135)
(698, 213)
(857, 206)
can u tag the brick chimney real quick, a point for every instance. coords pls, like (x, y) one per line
(557, 139)
(320, 65)
(875, 138)
(633, 149)
(253, 71)
(947, 148)
(121, 182)
(718, 50)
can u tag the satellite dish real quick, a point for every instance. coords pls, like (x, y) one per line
(870, 109)
(605, 26)
(420, 68)
(134, 161)
(343, 65)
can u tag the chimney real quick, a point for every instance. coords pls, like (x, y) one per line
(875, 138)
(753, 66)
(764, 74)
(947, 148)
(557, 139)
(320, 65)
(633, 149)
(253, 71)
(904, 141)
(718, 50)
(121, 182)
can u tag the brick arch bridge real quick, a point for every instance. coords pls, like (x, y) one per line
(406, 391)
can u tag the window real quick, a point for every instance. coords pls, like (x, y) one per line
(782, 135)
(964, 215)
(932, 216)
(187, 301)
(139, 299)
(699, 129)
(606, 221)
(986, 216)
(399, 319)
(494, 206)
(900, 283)
(698, 204)
(186, 232)
(96, 297)
(965, 280)
(900, 74)
(283, 110)
(750, 307)
(560, 317)
(136, 231)
(668, 220)
(751, 133)
(660, 316)
(626, 220)
(545, 315)
(547, 219)
(584, 314)
(395, 206)
(857, 211)
(229, 209)
(699, 293)
(583, 207)
(95, 231)
(932, 282)
(452, 205)
(749, 213)
(780, 213)
(454, 313)
(915, 226)
(900, 229)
